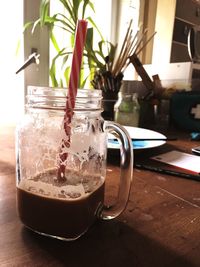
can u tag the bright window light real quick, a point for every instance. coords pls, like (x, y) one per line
(12, 85)
(111, 16)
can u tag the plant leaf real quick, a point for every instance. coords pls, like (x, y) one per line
(27, 25)
(95, 26)
(65, 58)
(66, 74)
(75, 8)
(35, 25)
(68, 6)
(91, 6)
(54, 42)
(82, 84)
(71, 25)
(44, 11)
(85, 4)
(52, 71)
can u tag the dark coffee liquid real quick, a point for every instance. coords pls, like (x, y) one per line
(60, 217)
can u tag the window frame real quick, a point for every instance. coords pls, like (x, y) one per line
(39, 41)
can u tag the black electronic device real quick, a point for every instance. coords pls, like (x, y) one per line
(196, 150)
(194, 44)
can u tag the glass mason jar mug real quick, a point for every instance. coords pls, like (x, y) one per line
(61, 176)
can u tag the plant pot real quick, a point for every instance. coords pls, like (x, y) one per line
(109, 100)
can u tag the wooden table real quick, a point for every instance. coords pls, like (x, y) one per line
(160, 226)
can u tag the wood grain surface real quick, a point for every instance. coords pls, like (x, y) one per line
(160, 226)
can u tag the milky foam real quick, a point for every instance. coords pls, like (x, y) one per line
(76, 185)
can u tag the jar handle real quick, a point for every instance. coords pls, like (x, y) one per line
(126, 171)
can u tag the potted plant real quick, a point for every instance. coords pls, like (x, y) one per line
(94, 58)
(101, 65)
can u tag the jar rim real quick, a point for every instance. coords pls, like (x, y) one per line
(61, 92)
(55, 98)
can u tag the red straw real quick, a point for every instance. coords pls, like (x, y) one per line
(81, 32)
(76, 63)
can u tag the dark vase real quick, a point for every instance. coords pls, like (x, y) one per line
(147, 116)
(110, 86)
(108, 103)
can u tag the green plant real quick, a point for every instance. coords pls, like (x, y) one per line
(94, 59)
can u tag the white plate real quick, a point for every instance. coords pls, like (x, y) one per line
(136, 132)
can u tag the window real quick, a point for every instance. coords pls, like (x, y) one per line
(11, 89)
(125, 11)
(112, 18)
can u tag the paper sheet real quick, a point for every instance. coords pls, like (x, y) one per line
(181, 160)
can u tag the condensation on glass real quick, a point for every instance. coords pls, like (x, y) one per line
(65, 204)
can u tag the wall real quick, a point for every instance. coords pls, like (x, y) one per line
(36, 74)
(164, 24)
(148, 20)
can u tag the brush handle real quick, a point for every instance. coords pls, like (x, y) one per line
(154, 139)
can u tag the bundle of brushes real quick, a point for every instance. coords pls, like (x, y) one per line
(107, 82)
(110, 77)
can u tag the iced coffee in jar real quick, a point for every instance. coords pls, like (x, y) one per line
(61, 172)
